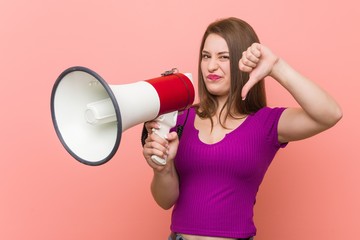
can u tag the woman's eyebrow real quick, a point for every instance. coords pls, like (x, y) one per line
(219, 53)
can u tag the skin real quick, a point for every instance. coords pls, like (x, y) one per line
(317, 111)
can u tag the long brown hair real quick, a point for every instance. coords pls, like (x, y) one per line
(239, 35)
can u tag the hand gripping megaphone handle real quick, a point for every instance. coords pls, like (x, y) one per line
(166, 122)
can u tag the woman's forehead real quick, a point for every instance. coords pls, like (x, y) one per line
(215, 44)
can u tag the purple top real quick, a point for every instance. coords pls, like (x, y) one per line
(219, 182)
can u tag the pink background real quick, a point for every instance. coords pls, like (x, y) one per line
(312, 188)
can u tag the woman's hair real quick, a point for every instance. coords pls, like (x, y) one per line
(238, 35)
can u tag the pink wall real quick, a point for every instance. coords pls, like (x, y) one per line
(311, 190)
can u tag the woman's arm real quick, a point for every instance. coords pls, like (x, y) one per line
(165, 183)
(165, 186)
(318, 111)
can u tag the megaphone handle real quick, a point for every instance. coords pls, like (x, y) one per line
(166, 122)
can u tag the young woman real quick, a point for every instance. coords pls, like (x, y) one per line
(230, 137)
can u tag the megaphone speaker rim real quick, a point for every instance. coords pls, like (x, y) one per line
(114, 102)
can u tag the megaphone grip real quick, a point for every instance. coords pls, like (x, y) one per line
(166, 122)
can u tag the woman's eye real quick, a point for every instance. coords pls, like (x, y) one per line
(225, 57)
(205, 56)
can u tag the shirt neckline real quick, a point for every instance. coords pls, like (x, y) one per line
(193, 115)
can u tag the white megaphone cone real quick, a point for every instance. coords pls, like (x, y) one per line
(89, 115)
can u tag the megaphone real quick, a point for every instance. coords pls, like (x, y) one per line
(90, 115)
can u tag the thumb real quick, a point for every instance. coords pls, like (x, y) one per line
(171, 136)
(246, 88)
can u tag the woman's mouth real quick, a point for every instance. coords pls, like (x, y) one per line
(213, 77)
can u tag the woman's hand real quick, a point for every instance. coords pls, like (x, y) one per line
(259, 61)
(156, 145)
(318, 110)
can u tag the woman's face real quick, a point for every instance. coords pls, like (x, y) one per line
(215, 65)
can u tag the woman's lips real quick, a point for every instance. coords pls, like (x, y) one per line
(213, 77)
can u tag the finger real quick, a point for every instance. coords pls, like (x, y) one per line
(255, 50)
(152, 164)
(172, 136)
(247, 63)
(149, 152)
(151, 125)
(158, 139)
(244, 67)
(159, 154)
(251, 55)
(155, 146)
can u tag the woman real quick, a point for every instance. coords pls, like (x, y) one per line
(230, 138)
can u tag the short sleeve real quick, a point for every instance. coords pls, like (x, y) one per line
(272, 117)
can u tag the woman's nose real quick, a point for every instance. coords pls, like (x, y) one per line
(213, 65)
